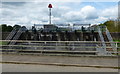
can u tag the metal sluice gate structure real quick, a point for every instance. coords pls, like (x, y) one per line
(81, 45)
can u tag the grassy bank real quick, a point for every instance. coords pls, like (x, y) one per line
(116, 40)
(3, 43)
(118, 44)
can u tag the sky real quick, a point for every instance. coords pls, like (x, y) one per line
(37, 12)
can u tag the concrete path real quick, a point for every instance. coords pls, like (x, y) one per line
(88, 61)
(49, 68)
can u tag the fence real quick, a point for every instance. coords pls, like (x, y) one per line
(59, 47)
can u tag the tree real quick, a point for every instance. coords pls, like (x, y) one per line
(0, 28)
(17, 27)
(111, 26)
(9, 28)
(4, 27)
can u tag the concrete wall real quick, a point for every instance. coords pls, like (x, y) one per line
(28, 36)
(116, 35)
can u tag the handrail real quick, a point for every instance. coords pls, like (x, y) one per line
(20, 31)
(59, 46)
(103, 42)
(111, 40)
(12, 33)
(55, 41)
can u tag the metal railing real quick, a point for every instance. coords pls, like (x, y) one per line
(111, 40)
(11, 35)
(16, 37)
(103, 50)
(71, 47)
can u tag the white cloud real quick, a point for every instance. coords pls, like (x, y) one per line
(37, 12)
(81, 16)
(57, 20)
(60, 0)
(89, 12)
(99, 20)
(110, 13)
(73, 16)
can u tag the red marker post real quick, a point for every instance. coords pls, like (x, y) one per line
(50, 6)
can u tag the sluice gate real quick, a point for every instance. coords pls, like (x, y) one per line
(54, 39)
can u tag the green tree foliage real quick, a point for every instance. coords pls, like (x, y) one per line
(112, 25)
(5, 28)
(16, 27)
(118, 27)
(9, 28)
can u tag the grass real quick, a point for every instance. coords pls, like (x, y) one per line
(118, 44)
(116, 40)
(3, 43)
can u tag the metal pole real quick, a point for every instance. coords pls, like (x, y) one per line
(50, 16)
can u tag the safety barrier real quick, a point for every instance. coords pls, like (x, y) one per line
(60, 47)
